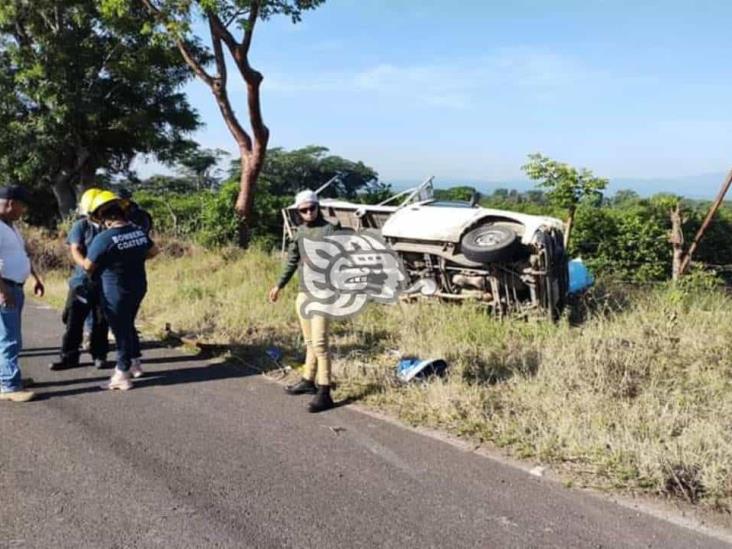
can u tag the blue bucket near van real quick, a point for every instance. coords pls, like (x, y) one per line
(580, 277)
(412, 368)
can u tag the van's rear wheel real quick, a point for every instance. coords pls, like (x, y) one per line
(490, 243)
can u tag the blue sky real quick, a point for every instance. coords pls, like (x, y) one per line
(414, 88)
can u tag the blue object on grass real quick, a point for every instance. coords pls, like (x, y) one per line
(274, 353)
(416, 368)
(580, 277)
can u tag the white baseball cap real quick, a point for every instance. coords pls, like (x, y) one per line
(306, 197)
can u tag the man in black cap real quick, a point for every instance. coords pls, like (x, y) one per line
(15, 268)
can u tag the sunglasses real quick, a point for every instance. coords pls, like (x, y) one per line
(308, 209)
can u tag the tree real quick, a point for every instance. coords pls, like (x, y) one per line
(231, 24)
(566, 185)
(536, 196)
(202, 215)
(287, 172)
(79, 93)
(624, 196)
(199, 165)
(461, 194)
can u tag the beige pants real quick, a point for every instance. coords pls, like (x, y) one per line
(315, 334)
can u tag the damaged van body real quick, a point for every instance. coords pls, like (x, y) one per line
(514, 262)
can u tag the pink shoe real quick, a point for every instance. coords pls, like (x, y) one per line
(136, 368)
(120, 381)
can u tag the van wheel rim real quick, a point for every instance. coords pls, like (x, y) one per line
(489, 238)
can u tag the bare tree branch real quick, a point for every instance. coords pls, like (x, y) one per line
(182, 47)
(249, 30)
(21, 35)
(218, 53)
(218, 87)
(234, 17)
(224, 34)
(194, 64)
(152, 8)
(252, 77)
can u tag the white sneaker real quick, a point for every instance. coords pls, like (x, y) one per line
(136, 368)
(120, 381)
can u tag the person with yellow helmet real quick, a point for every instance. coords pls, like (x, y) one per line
(116, 257)
(84, 298)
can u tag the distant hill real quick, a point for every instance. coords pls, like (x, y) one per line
(696, 186)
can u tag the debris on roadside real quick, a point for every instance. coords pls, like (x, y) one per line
(411, 368)
(538, 471)
(275, 354)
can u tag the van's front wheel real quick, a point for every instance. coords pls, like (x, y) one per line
(489, 243)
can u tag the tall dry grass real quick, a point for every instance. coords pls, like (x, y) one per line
(635, 399)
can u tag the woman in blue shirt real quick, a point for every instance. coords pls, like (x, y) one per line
(117, 258)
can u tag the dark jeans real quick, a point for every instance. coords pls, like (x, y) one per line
(81, 302)
(121, 311)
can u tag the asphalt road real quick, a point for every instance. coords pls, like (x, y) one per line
(212, 455)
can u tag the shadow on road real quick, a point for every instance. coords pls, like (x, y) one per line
(194, 374)
(159, 370)
(64, 382)
(40, 351)
(238, 361)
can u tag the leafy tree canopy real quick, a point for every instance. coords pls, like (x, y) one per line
(287, 172)
(79, 93)
(565, 185)
(231, 26)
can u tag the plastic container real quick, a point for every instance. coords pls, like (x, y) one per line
(580, 277)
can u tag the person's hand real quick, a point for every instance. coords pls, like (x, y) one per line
(6, 298)
(38, 288)
(274, 293)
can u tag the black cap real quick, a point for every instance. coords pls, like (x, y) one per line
(15, 192)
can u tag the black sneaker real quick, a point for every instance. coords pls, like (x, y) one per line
(100, 363)
(302, 387)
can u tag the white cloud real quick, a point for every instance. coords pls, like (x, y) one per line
(455, 84)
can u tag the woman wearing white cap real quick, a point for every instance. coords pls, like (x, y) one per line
(316, 377)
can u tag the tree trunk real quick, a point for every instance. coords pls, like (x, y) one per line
(686, 261)
(251, 166)
(87, 177)
(252, 150)
(568, 227)
(677, 242)
(65, 196)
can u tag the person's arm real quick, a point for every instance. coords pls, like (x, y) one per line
(89, 266)
(39, 289)
(77, 255)
(94, 255)
(152, 252)
(6, 297)
(293, 260)
(76, 241)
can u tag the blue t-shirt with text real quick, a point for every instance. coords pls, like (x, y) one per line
(119, 255)
(82, 234)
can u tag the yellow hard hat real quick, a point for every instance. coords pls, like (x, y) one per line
(86, 200)
(100, 199)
